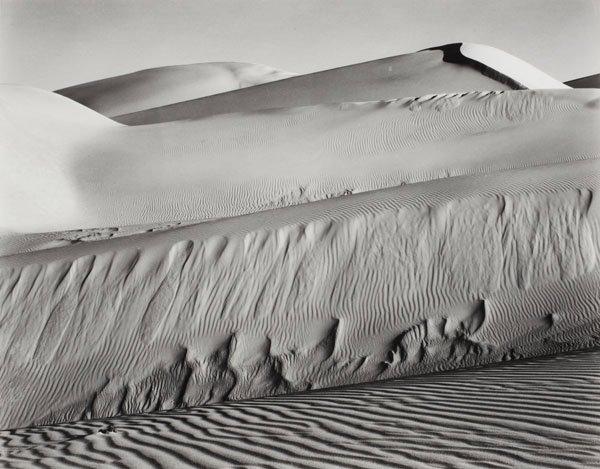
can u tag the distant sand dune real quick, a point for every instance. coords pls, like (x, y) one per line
(527, 414)
(167, 85)
(446, 69)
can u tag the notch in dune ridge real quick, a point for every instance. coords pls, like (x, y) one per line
(499, 65)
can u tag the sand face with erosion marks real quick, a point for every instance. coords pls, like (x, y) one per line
(425, 212)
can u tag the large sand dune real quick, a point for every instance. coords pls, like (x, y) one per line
(450, 68)
(527, 414)
(167, 85)
(375, 221)
(448, 273)
(79, 170)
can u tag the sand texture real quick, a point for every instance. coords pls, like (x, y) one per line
(452, 272)
(433, 71)
(83, 171)
(165, 250)
(528, 414)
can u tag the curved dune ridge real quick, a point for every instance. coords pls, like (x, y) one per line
(41, 134)
(113, 175)
(528, 414)
(167, 85)
(501, 64)
(459, 67)
(437, 275)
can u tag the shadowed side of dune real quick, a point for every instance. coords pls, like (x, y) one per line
(592, 81)
(456, 67)
(454, 55)
(415, 74)
(500, 66)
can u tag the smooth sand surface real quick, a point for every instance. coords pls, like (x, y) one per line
(439, 70)
(167, 85)
(527, 414)
(448, 273)
(72, 169)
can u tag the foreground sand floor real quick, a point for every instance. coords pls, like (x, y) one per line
(534, 413)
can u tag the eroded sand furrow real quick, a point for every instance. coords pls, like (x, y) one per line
(445, 274)
(415, 422)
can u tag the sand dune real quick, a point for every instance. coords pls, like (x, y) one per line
(528, 414)
(448, 273)
(495, 62)
(41, 134)
(450, 68)
(315, 231)
(167, 85)
(109, 175)
(592, 81)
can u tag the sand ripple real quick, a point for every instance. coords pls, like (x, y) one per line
(529, 414)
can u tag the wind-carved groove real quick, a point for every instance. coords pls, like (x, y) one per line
(435, 338)
(501, 207)
(88, 273)
(88, 411)
(131, 266)
(586, 197)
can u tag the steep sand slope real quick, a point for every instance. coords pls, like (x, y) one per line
(592, 81)
(167, 85)
(495, 61)
(113, 175)
(438, 70)
(527, 414)
(448, 273)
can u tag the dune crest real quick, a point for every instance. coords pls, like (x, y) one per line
(500, 66)
(167, 85)
(432, 71)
